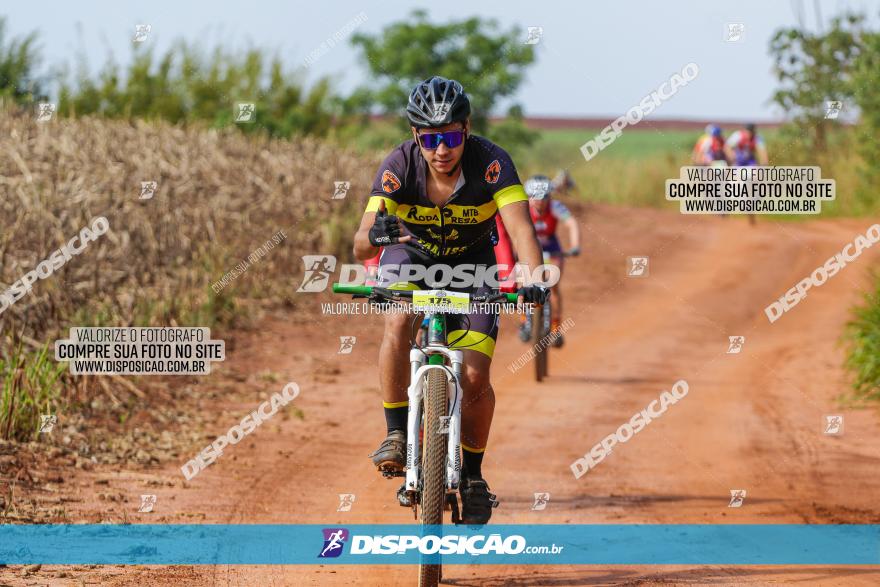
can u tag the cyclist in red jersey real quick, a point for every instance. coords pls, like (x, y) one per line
(547, 213)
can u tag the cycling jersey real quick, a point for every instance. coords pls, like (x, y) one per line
(745, 149)
(503, 257)
(545, 224)
(709, 149)
(488, 181)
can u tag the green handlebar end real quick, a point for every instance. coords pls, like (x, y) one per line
(511, 297)
(344, 288)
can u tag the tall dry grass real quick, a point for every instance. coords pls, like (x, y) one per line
(220, 195)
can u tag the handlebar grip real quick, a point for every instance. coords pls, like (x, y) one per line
(363, 290)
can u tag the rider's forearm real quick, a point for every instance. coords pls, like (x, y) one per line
(522, 234)
(574, 233)
(529, 251)
(363, 250)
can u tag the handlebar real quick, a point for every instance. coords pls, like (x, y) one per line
(398, 294)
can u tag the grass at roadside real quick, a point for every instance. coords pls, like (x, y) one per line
(221, 196)
(31, 387)
(863, 346)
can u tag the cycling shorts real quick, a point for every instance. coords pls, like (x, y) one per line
(477, 331)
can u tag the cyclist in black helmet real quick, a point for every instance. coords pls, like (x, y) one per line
(434, 201)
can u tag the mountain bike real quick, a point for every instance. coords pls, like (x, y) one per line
(539, 327)
(433, 431)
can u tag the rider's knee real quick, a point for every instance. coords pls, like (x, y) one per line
(476, 383)
(398, 329)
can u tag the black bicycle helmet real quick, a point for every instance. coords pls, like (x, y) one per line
(437, 101)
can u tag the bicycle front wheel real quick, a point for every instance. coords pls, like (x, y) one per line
(433, 468)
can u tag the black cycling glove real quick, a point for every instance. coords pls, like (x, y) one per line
(385, 230)
(534, 294)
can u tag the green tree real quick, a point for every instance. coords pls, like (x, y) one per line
(488, 62)
(186, 85)
(18, 61)
(865, 78)
(813, 68)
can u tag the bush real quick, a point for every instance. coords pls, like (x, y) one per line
(863, 353)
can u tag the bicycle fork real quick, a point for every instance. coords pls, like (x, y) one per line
(419, 367)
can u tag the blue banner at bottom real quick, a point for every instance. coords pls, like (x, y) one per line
(600, 544)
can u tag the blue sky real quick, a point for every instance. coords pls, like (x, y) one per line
(595, 58)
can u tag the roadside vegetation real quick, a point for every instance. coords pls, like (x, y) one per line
(224, 188)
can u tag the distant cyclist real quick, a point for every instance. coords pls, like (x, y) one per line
(547, 213)
(709, 149)
(563, 184)
(746, 147)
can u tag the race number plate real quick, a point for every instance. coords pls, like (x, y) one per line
(433, 301)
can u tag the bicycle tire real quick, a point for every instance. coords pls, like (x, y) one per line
(433, 466)
(538, 335)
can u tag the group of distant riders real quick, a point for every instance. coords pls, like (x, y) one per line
(742, 148)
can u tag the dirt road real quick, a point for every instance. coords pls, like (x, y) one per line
(752, 420)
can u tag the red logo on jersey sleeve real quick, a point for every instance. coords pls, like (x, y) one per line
(390, 182)
(493, 172)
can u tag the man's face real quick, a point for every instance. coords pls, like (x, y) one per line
(540, 205)
(442, 159)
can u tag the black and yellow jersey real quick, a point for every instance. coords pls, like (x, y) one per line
(488, 182)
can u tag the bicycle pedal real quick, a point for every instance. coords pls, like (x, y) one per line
(452, 501)
(405, 498)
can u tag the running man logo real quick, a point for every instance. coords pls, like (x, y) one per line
(45, 111)
(535, 34)
(541, 500)
(736, 344)
(834, 424)
(440, 111)
(493, 172)
(346, 500)
(737, 497)
(832, 109)
(346, 344)
(147, 503)
(318, 271)
(735, 31)
(390, 182)
(148, 190)
(141, 32)
(245, 112)
(340, 189)
(47, 423)
(334, 541)
(637, 266)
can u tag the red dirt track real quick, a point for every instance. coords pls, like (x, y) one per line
(750, 421)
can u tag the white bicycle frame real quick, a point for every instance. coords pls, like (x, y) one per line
(419, 368)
